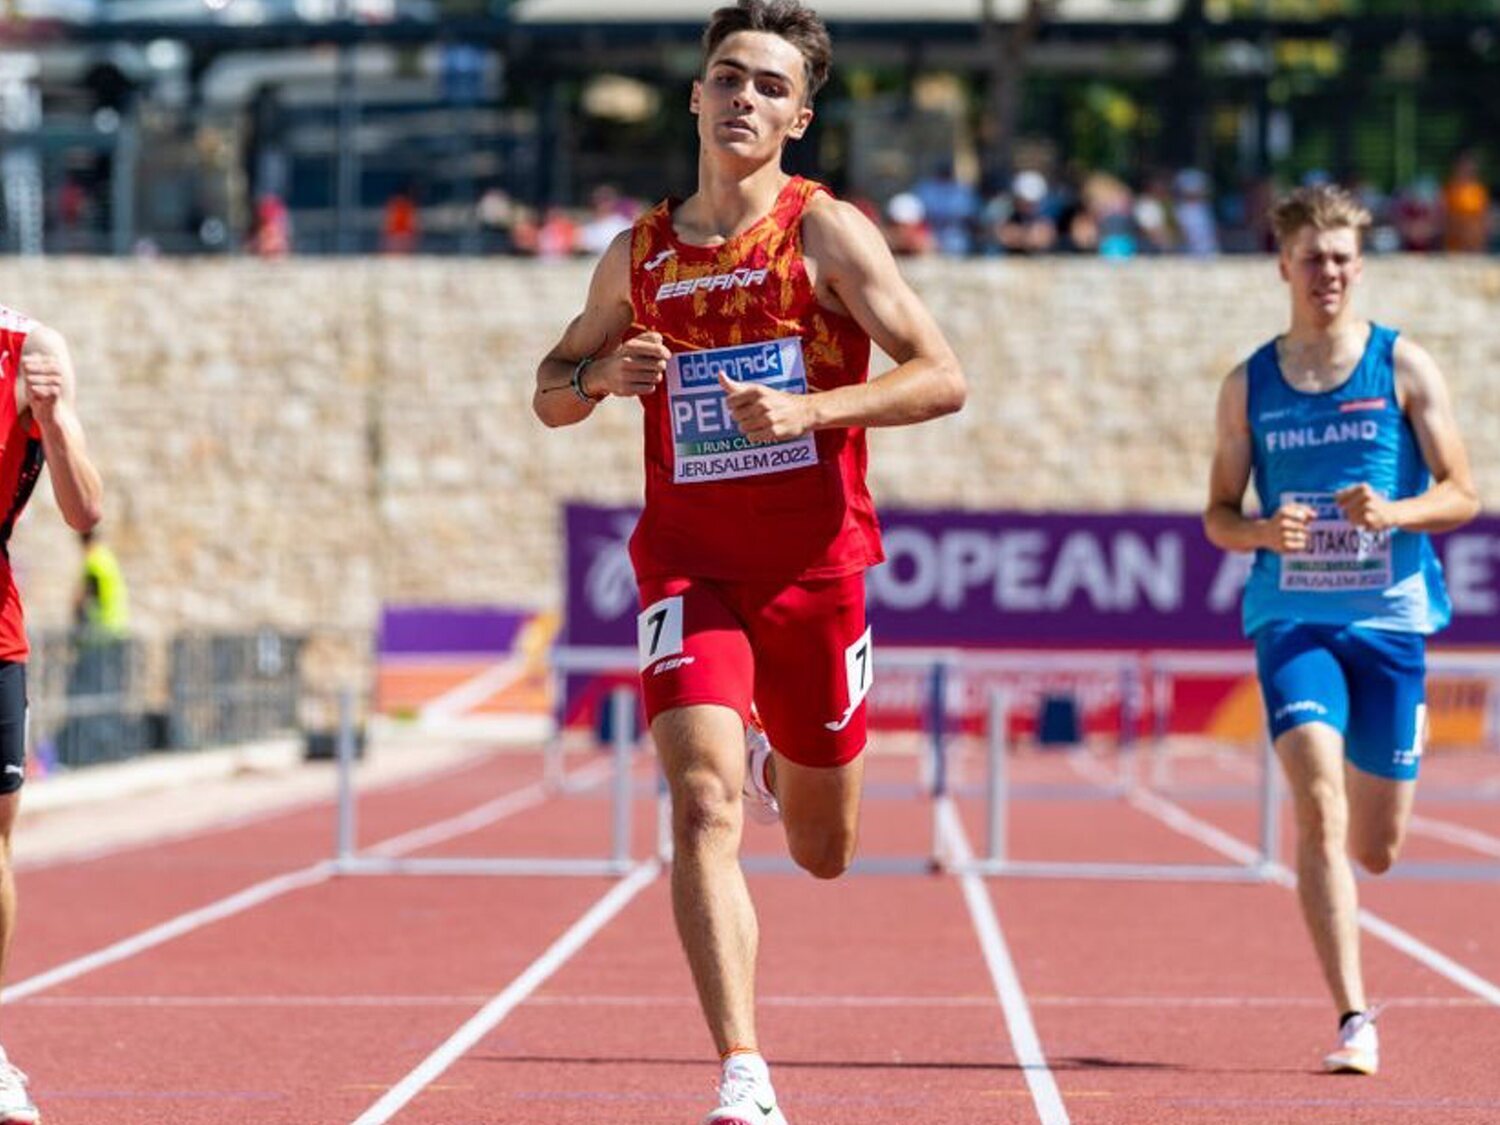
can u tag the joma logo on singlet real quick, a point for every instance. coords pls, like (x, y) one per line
(739, 279)
(1334, 433)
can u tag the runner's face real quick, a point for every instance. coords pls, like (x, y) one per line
(749, 101)
(1322, 266)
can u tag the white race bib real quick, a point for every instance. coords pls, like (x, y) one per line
(706, 444)
(1339, 556)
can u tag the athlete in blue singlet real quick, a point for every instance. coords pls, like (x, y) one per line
(1350, 436)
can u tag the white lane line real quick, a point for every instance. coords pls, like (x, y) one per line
(489, 1017)
(1184, 822)
(234, 822)
(1439, 963)
(1211, 836)
(678, 1000)
(475, 690)
(484, 815)
(257, 1001)
(1033, 1061)
(1457, 834)
(175, 928)
(273, 888)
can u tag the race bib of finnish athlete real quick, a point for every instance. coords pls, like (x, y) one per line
(706, 443)
(1339, 556)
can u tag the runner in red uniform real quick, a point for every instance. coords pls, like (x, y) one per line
(38, 425)
(741, 319)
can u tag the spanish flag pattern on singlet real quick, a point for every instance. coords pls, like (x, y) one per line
(20, 465)
(718, 506)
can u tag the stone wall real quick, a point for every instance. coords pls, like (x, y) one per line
(292, 443)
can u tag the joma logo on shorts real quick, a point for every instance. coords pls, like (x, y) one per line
(739, 279)
(670, 664)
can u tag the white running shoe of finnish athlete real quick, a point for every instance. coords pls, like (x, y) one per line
(15, 1103)
(1358, 1050)
(760, 802)
(745, 1095)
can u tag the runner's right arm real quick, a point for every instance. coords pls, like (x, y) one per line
(593, 359)
(1224, 519)
(47, 389)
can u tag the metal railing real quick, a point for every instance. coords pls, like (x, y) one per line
(100, 699)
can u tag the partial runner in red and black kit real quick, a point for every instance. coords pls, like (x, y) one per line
(39, 428)
(741, 319)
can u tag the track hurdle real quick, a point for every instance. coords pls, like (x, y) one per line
(349, 860)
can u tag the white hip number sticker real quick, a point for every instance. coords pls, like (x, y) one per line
(859, 671)
(658, 631)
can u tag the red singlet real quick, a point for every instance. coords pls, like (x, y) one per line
(20, 465)
(806, 513)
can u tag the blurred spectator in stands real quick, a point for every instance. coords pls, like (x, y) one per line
(1110, 204)
(272, 234)
(497, 221)
(71, 201)
(951, 209)
(906, 227)
(609, 214)
(1259, 197)
(1381, 237)
(557, 236)
(1466, 208)
(525, 228)
(1155, 216)
(1192, 207)
(1023, 225)
(1077, 229)
(400, 223)
(1418, 217)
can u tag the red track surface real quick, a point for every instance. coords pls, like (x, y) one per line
(1152, 1002)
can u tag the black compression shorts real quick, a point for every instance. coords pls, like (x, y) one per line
(12, 725)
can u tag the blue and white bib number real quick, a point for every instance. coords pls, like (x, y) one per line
(706, 444)
(1339, 556)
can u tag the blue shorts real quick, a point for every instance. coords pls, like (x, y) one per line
(1368, 684)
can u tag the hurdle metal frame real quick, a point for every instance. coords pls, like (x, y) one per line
(945, 669)
(348, 860)
(1164, 665)
(1124, 668)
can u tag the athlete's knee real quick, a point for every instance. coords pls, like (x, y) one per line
(1377, 861)
(822, 854)
(704, 812)
(1376, 854)
(1322, 815)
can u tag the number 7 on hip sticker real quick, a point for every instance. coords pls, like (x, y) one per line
(658, 631)
(859, 670)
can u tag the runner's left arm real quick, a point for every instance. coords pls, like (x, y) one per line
(48, 390)
(854, 273)
(1451, 500)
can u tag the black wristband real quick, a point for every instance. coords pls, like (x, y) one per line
(583, 395)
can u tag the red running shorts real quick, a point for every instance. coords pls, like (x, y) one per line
(800, 651)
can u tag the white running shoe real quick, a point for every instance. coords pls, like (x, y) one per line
(1358, 1051)
(760, 801)
(15, 1102)
(745, 1095)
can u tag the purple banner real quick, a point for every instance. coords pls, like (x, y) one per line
(1030, 580)
(410, 629)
